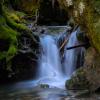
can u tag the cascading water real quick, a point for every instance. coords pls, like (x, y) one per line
(50, 59)
(71, 56)
(51, 71)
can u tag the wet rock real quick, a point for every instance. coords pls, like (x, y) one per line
(44, 85)
(88, 76)
(78, 81)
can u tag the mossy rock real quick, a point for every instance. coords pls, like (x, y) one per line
(15, 20)
(7, 34)
(88, 19)
(88, 76)
(78, 81)
(97, 27)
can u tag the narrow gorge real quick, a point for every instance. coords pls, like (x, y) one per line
(49, 50)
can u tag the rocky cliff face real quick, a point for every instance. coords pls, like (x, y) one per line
(50, 13)
(86, 14)
(87, 77)
(28, 6)
(16, 57)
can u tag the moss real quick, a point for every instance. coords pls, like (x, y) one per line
(14, 17)
(97, 26)
(14, 25)
(78, 81)
(21, 16)
(5, 31)
(92, 31)
(11, 52)
(14, 20)
(88, 76)
(10, 35)
(89, 20)
(17, 26)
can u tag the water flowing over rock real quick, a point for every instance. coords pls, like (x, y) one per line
(71, 56)
(51, 70)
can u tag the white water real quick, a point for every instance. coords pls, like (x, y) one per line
(71, 56)
(51, 71)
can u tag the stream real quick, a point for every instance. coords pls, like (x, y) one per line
(52, 72)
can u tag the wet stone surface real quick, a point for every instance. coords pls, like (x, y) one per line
(38, 93)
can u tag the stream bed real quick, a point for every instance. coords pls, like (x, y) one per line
(52, 73)
(27, 91)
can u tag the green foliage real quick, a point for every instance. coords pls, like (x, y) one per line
(14, 19)
(11, 52)
(12, 23)
(5, 31)
(7, 34)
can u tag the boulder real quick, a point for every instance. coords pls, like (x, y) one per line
(87, 77)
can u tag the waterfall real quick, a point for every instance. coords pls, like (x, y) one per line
(72, 58)
(50, 59)
(50, 69)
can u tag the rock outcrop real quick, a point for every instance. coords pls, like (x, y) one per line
(87, 77)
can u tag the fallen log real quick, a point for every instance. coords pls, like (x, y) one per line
(77, 46)
(64, 43)
(66, 39)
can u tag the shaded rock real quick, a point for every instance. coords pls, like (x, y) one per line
(78, 81)
(28, 6)
(81, 36)
(51, 14)
(88, 76)
(3, 72)
(24, 65)
(4, 45)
